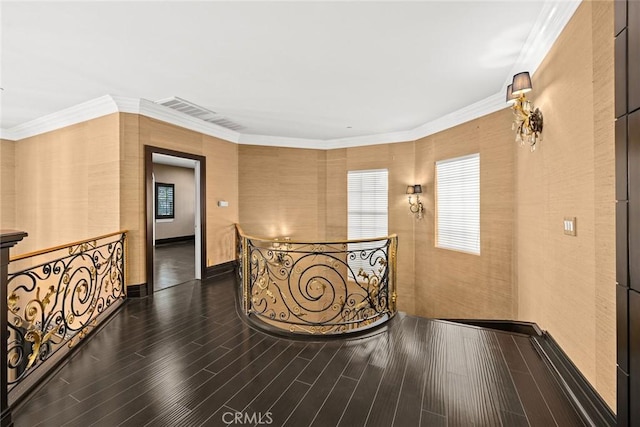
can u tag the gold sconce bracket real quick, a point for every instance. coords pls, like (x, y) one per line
(416, 207)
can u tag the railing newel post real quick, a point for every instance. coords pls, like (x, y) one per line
(125, 264)
(246, 275)
(8, 239)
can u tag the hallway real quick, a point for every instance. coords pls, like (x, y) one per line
(173, 264)
(183, 357)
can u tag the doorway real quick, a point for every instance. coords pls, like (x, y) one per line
(175, 217)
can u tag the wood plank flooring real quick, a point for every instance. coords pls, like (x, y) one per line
(173, 264)
(183, 357)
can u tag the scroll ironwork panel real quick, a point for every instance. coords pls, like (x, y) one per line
(56, 297)
(319, 288)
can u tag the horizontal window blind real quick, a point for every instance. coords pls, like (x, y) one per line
(458, 204)
(367, 199)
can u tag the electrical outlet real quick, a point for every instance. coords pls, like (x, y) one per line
(570, 225)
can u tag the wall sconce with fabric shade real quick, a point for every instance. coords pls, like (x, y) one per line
(415, 207)
(521, 83)
(527, 122)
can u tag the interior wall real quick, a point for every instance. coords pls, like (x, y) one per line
(528, 269)
(567, 284)
(282, 192)
(7, 184)
(399, 160)
(183, 180)
(221, 184)
(64, 191)
(431, 282)
(452, 284)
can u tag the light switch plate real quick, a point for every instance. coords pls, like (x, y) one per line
(223, 203)
(570, 225)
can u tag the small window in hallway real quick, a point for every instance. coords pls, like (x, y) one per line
(164, 201)
(367, 207)
(458, 204)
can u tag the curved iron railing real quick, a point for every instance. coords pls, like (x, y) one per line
(55, 297)
(318, 287)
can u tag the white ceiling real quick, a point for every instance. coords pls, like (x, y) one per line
(311, 70)
(165, 159)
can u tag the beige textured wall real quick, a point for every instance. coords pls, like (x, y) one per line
(431, 282)
(183, 180)
(67, 184)
(7, 184)
(282, 192)
(567, 284)
(399, 160)
(303, 194)
(453, 284)
(221, 182)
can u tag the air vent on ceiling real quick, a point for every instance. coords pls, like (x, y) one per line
(201, 113)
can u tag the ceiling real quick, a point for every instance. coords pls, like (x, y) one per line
(165, 159)
(307, 70)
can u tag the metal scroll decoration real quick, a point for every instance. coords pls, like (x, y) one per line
(319, 288)
(55, 304)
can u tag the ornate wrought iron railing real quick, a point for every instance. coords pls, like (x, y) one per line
(318, 287)
(55, 297)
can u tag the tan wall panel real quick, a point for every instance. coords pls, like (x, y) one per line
(336, 195)
(604, 178)
(567, 284)
(280, 192)
(452, 284)
(67, 184)
(222, 184)
(132, 200)
(7, 184)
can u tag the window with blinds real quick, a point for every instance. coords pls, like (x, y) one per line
(458, 204)
(367, 194)
(164, 201)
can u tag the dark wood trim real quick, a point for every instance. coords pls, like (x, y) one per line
(8, 239)
(515, 326)
(588, 403)
(634, 359)
(220, 269)
(149, 194)
(137, 291)
(178, 239)
(627, 150)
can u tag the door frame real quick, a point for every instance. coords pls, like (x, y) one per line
(149, 214)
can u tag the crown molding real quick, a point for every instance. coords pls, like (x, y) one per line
(282, 141)
(79, 113)
(552, 19)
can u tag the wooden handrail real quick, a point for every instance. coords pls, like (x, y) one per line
(57, 248)
(320, 242)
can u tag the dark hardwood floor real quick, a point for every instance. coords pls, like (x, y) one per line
(183, 357)
(173, 264)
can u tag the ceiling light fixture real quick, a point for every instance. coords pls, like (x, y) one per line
(527, 122)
